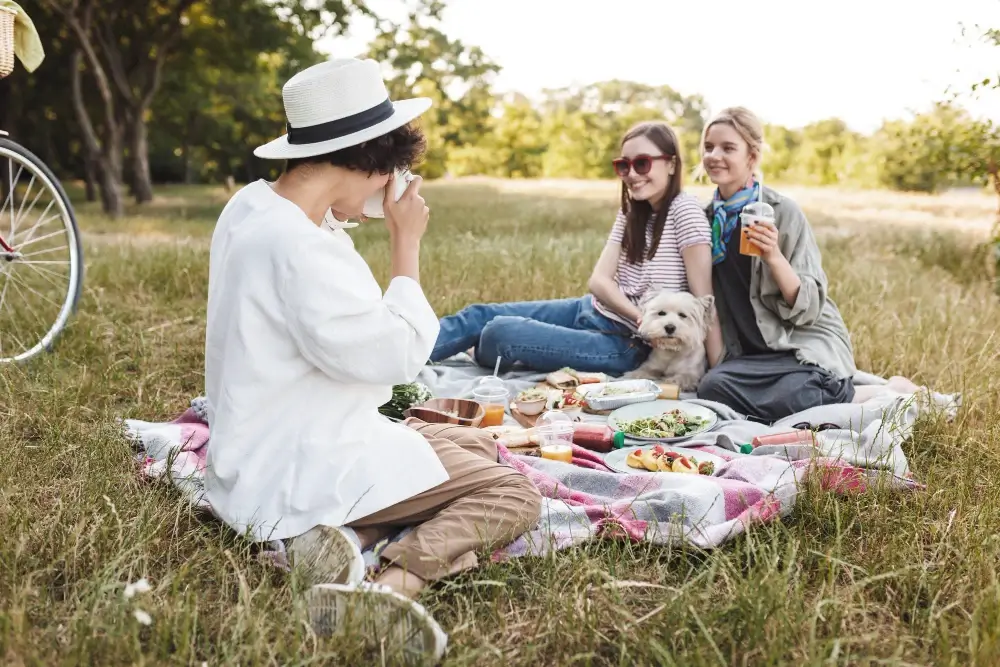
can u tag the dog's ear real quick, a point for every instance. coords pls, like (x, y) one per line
(647, 296)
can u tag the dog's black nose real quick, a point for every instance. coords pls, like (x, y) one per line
(670, 329)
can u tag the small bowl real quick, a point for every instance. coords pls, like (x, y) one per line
(531, 407)
(459, 411)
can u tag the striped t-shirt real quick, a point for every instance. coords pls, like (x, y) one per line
(686, 225)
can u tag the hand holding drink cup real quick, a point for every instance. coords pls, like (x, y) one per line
(758, 234)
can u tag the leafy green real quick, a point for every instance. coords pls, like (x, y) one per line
(405, 396)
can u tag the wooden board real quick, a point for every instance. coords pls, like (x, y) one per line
(527, 421)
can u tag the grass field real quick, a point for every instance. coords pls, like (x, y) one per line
(884, 578)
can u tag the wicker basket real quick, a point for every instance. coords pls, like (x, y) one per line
(6, 41)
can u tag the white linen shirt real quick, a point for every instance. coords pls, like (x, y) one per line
(301, 350)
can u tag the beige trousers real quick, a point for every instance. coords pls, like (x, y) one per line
(484, 505)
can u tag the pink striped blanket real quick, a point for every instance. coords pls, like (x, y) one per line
(587, 500)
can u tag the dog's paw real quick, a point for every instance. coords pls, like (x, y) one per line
(686, 383)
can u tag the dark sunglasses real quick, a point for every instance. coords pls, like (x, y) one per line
(806, 426)
(641, 163)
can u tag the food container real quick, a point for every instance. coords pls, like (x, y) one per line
(531, 402)
(459, 411)
(626, 392)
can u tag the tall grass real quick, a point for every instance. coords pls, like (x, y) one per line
(881, 578)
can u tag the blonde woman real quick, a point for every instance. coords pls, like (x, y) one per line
(786, 347)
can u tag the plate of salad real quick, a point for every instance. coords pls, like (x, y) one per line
(662, 420)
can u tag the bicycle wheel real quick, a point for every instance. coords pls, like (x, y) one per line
(41, 257)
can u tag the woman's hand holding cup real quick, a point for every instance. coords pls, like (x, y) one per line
(407, 218)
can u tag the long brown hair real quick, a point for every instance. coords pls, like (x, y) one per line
(637, 213)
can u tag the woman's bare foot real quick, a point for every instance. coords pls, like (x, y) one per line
(897, 383)
(401, 581)
(903, 385)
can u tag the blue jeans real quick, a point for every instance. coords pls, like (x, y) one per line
(543, 335)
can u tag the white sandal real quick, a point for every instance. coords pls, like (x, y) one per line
(377, 611)
(327, 555)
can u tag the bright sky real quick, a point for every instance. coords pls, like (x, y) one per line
(791, 61)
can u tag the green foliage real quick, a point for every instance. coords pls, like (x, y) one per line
(943, 147)
(219, 96)
(422, 60)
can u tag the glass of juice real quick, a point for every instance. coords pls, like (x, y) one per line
(493, 398)
(752, 214)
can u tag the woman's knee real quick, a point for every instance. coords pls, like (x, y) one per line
(502, 329)
(713, 385)
(497, 336)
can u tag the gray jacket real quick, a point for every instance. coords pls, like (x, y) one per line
(813, 327)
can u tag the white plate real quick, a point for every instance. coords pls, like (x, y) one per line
(616, 459)
(656, 408)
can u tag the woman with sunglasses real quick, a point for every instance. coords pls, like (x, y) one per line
(660, 239)
(786, 345)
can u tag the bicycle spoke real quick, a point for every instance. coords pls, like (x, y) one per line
(47, 276)
(42, 252)
(10, 192)
(27, 193)
(23, 244)
(42, 220)
(40, 282)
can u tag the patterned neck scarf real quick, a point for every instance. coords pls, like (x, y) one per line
(726, 217)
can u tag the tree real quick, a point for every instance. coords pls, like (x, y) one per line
(923, 154)
(781, 146)
(423, 61)
(585, 124)
(222, 94)
(126, 47)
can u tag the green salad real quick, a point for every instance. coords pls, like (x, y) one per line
(609, 390)
(670, 424)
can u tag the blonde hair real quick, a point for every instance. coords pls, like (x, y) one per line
(746, 124)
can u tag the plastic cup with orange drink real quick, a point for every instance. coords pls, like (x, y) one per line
(555, 433)
(493, 398)
(752, 215)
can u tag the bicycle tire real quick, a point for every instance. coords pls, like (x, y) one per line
(8, 145)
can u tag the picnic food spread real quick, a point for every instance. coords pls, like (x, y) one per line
(569, 397)
(658, 459)
(670, 424)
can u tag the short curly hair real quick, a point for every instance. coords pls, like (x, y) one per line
(398, 149)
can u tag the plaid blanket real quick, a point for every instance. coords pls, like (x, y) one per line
(587, 500)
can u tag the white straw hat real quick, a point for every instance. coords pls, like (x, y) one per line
(336, 104)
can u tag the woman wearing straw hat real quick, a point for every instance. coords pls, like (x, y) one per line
(786, 345)
(303, 347)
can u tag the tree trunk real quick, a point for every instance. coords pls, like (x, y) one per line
(105, 155)
(142, 180)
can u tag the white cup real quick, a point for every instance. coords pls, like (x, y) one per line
(373, 205)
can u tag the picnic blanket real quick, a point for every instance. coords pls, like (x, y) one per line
(587, 500)
(457, 377)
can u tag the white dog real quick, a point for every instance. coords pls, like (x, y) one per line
(675, 324)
